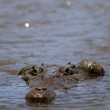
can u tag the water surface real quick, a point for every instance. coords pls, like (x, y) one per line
(60, 31)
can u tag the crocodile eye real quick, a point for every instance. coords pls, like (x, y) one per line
(37, 69)
(67, 70)
(61, 70)
(73, 66)
(40, 70)
(34, 69)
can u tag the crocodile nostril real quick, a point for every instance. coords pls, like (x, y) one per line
(40, 88)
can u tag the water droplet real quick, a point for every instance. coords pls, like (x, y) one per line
(26, 25)
(68, 3)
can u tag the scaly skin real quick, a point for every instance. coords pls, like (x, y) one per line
(45, 79)
(87, 69)
(44, 91)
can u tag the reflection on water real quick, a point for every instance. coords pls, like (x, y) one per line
(59, 31)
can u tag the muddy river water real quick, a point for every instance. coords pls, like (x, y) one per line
(59, 32)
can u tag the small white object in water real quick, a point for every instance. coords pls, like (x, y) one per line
(26, 25)
(68, 3)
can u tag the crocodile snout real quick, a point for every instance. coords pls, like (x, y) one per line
(40, 94)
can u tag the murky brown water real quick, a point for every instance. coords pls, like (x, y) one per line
(60, 31)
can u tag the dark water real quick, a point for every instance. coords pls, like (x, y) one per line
(60, 31)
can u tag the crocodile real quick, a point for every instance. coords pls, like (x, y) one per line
(45, 79)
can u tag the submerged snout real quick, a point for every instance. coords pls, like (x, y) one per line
(40, 94)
